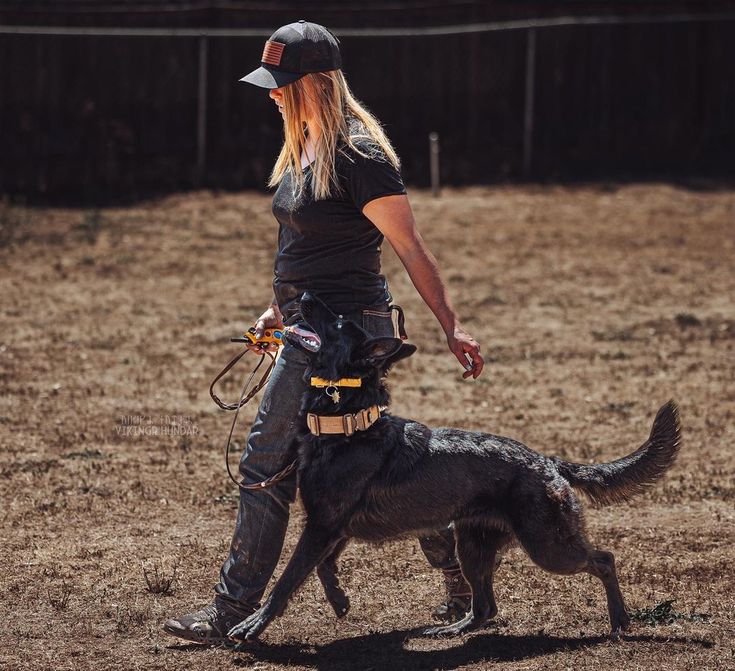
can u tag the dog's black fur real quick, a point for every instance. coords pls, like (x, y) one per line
(400, 477)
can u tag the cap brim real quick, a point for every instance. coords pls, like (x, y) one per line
(270, 78)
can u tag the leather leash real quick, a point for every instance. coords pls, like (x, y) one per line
(245, 396)
(318, 424)
(255, 389)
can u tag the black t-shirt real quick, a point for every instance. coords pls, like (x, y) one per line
(328, 246)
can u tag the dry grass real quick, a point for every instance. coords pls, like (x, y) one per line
(593, 307)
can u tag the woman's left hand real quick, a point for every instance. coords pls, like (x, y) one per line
(462, 345)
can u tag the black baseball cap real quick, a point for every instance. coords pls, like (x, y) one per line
(293, 51)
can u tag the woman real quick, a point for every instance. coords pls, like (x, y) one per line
(339, 192)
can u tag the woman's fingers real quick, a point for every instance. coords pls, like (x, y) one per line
(477, 364)
(467, 351)
(270, 319)
(463, 360)
(259, 328)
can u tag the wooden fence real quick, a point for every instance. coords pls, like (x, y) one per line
(97, 114)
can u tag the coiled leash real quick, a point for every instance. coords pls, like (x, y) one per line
(245, 396)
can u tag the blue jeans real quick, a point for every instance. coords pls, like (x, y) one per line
(262, 516)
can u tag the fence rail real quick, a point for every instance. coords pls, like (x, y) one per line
(419, 31)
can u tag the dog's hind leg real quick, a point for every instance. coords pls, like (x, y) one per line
(602, 565)
(477, 549)
(313, 547)
(327, 572)
(551, 531)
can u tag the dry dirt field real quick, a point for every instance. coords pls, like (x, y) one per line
(593, 305)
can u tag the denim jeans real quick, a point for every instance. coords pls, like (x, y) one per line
(262, 516)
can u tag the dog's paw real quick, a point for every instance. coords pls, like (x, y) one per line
(249, 628)
(467, 623)
(340, 603)
(620, 625)
(447, 630)
(441, 632)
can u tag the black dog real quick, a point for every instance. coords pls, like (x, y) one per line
(396, 476)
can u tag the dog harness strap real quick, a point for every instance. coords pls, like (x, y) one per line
(343, 424)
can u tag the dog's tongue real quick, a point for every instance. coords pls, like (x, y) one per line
(305, 337)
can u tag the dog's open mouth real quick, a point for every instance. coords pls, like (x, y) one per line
(304, 337)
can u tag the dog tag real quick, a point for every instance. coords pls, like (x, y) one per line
(333, 394)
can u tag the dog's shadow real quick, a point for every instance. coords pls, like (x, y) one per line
(388, 650)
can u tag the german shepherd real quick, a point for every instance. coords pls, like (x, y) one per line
(399, 477)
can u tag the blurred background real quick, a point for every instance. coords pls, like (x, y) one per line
(105, 101)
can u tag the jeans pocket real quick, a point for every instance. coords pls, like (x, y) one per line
(294, 353)
(378, 322)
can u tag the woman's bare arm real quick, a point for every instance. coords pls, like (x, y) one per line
(393, 217)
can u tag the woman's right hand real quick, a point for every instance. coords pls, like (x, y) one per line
(270, 319)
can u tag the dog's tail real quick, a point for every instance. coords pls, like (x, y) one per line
(621, 479)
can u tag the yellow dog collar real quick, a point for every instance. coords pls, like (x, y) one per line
(342, 382)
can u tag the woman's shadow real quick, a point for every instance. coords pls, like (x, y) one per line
(388, 650)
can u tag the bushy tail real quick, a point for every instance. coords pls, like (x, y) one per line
(619, 480)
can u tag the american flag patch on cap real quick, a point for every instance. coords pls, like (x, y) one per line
(272, 53)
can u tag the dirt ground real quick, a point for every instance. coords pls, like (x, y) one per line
(594, 305)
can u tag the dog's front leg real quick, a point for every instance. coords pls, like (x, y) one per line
(327, 572)
(314, 545)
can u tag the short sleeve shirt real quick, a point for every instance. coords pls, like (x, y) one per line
(329, 247)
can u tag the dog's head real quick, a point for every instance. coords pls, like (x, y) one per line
(340, 348)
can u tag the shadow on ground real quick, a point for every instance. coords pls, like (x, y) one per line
(387, 650)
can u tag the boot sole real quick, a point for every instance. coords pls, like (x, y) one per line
(193, 637)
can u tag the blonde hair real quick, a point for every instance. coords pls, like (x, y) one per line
(341, 121)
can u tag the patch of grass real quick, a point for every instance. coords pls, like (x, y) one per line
(685, 319)
(8, 225)
(184, 443)
(59, 599)
(228, 499)
(663, 613)
(91, 226)
(34, 467)
(160, 576)
(129, 619)
(614, 356)
(614, 335)
(12, 220)
(623, 408)
(84, 454)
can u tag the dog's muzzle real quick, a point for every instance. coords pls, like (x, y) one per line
(303, 337)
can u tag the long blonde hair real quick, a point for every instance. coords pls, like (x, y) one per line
(342, 121)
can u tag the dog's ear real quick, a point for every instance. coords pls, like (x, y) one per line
(384, 351)
(404, 351)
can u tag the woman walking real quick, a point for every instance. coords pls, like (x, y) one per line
(339, 194)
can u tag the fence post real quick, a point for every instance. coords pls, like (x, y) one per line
(202, 111)
(434, 162)
(528, 102)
